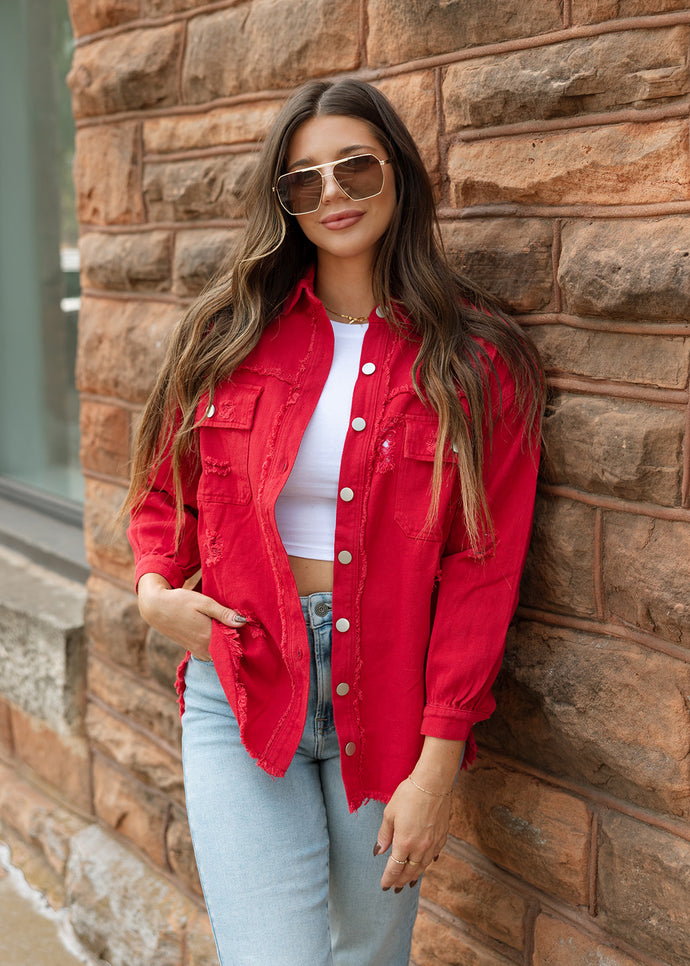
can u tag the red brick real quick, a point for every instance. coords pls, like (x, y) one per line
(401, 32)
(511, 258)
(138, 262)
(560, 565)
(628, 269)
(615, 447)
(587, 75)
(146, 759)
(562, 944)
(113, 624)
(131, 696)
(131, 808)
(106, 174)
(126, 72)
(618, 164)
(104, 438)
(60, 760)
(535, 831)
(221, 126)
(477, 898)
(436, 943)
(575, 704)
(265, 46)
(647, 574)
(122, 346)
(652, 360)
(644, 883)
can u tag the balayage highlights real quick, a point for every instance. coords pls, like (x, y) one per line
(410, 272)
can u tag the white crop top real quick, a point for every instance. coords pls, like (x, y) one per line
(306, 506)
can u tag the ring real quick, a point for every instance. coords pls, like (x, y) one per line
(399, 861)
(410, 862)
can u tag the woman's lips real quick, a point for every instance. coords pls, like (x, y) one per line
(342, 219)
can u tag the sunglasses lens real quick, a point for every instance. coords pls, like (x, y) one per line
(300, 191)
(360, 177)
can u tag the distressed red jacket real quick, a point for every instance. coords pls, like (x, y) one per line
(419, 620)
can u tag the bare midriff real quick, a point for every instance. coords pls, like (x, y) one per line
(312, 576)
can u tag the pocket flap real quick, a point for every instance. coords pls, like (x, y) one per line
(231, 409)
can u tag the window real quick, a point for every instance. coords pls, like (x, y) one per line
(39, 262)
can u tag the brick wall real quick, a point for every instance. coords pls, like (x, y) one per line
(557, 136)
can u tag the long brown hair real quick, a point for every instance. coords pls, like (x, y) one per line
(411, 271)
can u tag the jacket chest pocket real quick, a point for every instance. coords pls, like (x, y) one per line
(414, 483)
(224, 430)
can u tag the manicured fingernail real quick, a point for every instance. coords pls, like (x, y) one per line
(413, 884)
(386, 888)
(436, 857)
(377, 849)
(240, 619)
(398, 890)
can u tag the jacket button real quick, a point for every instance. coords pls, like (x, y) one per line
(369, 368)
(358, 424)
(342, 689)
(210, 411)
(350, 749)
(342, 624)
(347, 494)
(379, 311)
(344, 557)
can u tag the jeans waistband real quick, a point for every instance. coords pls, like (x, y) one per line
(318, 609)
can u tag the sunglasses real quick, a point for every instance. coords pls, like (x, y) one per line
(360, 177)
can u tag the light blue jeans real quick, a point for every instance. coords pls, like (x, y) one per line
(288, 874)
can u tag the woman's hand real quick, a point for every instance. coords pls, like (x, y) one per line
(182, 615)
(416, 819)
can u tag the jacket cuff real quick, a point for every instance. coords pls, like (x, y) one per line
(447, 723)
(154, 564)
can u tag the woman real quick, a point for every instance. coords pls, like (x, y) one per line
(343, 440)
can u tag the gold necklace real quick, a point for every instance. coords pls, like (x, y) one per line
(351, 319)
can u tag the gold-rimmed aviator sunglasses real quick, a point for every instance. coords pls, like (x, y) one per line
(359, 176)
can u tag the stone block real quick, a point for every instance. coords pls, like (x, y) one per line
(104, 438)
(203, 188)
(42, 642)
(107, 548)
(131, 808)
(6, 739)
(575, 704)
(90, 16)
(147, 759)
(201, 948)
(626, 269)
(632, 450)
(133, 71)
(650, 360)
(423, 28)
(647, 574)
(122, 346)
(617, 164)
(122, 910)
(163, 8)
(35, 869)
(113, 624)
(596, 11)
(62, 760)
(414, 98)
(644, 883)
(107, 176)
(139, 262)
(131, 696)
(162, 657)
(509, 257)
(198, 256)
(271, 44)
(537, 832)
(562, 944)
(223, 125)
(477, 898)
(636, 68)
(436, 943)
(560, 565)
(180, 852)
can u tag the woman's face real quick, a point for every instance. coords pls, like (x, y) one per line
(340, 227)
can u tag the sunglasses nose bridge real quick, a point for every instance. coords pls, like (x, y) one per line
(329, 181)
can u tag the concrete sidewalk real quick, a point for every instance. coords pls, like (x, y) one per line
(31, 933)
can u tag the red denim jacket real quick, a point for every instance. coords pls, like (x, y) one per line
(419, 620)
